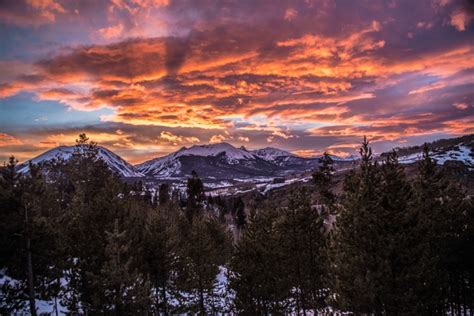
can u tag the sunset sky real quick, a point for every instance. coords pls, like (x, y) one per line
(146, 77)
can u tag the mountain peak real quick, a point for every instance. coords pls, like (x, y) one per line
(271, 153)
(233, 154)
(115, 163)
(215, 146)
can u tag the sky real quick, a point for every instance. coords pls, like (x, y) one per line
(147, 77)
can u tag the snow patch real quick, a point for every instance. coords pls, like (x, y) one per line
(459, 153)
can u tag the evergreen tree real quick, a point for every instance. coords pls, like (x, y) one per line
(164, 194)
(25, 238)
(195, 192)
(240, 216)
(258, 270)
(11, 219)
(398, 237)
(457, 259)
(302, 235)
(463, 270)
(439, 213)
(125, 290)
(204, 246)
(322, 178)
(159, 254)
(357, 251)
(94, 198)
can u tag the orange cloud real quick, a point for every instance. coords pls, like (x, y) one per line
(290, 14)
(217, 138)
(112, 32)
(460, 19)
(31, 12)
(307, 152)
(461, 105)
(9, 140)
(176, 140)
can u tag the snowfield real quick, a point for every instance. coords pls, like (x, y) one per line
(460, 153)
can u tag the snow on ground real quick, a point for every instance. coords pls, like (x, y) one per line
(42, 306)
(459, 153)
(462, 154)
(215, 185)
(273, 186)
(410, 158)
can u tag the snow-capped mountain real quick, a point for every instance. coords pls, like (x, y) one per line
(170, 165)
(224, 161)
(232, 154)
(270, 153)
(112, 160)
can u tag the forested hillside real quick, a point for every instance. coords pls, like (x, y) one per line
(75, 238)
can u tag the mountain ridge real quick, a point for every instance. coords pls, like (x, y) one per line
(223, 161)
(111, 159)
(226, 161)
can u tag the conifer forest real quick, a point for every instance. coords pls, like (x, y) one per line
(385, 243)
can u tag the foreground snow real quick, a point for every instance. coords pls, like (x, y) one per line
(460, 153)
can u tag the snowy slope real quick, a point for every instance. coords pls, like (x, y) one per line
(162, 167)
(461, 152)
(167, 166)
(233, 155)
(112, 160)
(270, 153)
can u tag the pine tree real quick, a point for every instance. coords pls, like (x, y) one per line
(322, 178)
(431, 281)
(457, 259)
(11, 219)
(91, 199)
(12, 246)
(164, 194)
(125, 290)
(439, 209)
(357, 251)
(302, 235)
(159, 254)
(25, 237)
(464, 260)
(398, 237)
(258, 270)
(204, 246)
(240, 216)
(195, 192)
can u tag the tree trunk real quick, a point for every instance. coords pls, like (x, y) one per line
(165, 299)
(201, 298)
(56, 297)
(29, 264)
(56, 306)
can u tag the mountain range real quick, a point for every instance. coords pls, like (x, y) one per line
(222, 161)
